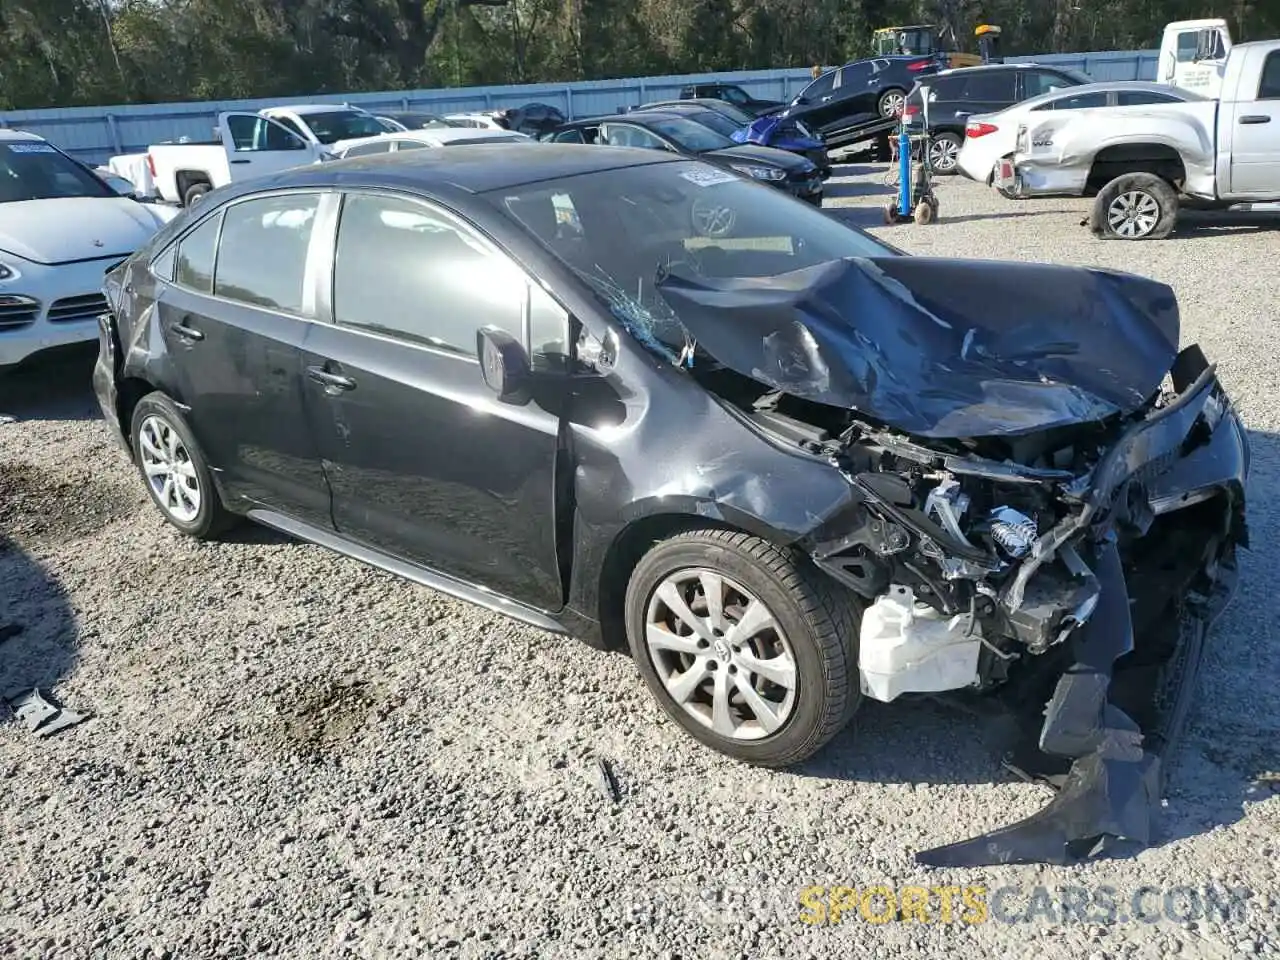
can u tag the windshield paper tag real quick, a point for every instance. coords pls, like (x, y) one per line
(708, 177)
(30, 148)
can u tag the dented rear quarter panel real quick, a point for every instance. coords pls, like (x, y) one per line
(1061, 148)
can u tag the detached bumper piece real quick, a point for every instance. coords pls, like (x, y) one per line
(1118, 708)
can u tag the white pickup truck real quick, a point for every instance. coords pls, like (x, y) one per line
(1142, 162)
(248, 145)
(252, 144)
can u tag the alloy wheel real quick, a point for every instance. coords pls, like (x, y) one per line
(169, 470)
(943, 153)
(721, 654)
(892, 104)
(1133, 214)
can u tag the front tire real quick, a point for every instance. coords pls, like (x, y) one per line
(1135, 206)
(174, 470)
(746, 646)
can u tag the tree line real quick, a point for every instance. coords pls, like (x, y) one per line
(59, 53)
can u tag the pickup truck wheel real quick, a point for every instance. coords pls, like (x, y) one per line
(194, 194)
(1135, 206)
(747, 646)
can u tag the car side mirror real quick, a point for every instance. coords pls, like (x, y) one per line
(1206, 40)
(800, 101)
(504, 365)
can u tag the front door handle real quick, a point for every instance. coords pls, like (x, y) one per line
(333, 380)
(242, 160)
(1256, 118)
(187, 333)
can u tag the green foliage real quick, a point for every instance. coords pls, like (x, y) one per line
(85, 52)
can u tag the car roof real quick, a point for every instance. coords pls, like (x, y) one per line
(1107, 86)
(7, 134)
(661, 113)
(437, 134)
(474, 168)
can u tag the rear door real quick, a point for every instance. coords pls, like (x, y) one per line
(984, 91)
(425, 464)
(258, 145)
(1254, 124)
(233, 313)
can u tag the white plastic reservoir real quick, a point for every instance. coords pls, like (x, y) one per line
(908, 647)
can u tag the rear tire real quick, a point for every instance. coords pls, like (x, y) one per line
(175, 470)
(944, 153)
(728, 687)
(891, 102)
(195, 193)
(1135, 206)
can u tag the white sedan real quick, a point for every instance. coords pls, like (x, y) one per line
(416, 139)
(60, 228)
(991, 136)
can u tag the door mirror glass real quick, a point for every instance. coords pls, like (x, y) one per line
(503, 364)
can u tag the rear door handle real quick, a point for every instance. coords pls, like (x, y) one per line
(334, 380)
(187, 333)
(239, 161)
(1256, 118)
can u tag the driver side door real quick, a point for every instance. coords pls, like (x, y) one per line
(424, 463)
(257, 145)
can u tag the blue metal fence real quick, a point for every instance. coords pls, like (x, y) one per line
(94, 134)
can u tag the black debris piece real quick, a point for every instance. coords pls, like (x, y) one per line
(606, 780)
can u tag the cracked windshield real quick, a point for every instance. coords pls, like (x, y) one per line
(623, 231)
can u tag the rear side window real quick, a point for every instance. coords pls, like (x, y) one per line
(1036, 82)
(369, 149)
(262, 255)
(163, 264)
(997, 86)
(1136, 98)
(1081, 102)
(406, 271)
(569, 136)
(1269, 85)
(195, 256)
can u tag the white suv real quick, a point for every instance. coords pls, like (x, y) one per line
(61, 226)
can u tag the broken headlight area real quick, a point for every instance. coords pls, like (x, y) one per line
(1066, 577)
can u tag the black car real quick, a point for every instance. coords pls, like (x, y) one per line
(731, 93)
(955, 95)
(673, 133)
(624, 395)
(739, 116)
(858, 92)
(781, 133)
(534, 119)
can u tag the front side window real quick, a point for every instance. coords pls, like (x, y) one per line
(691, 136)
(1269, 85)
(405, 270)
(1188, 44)
(251, 133)
(35, 170)
(262, 255)
(195, 256)
(820, 87)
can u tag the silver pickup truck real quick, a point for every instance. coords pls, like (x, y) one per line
(1142, 163)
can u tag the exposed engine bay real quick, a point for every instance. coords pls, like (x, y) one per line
(1066, 559)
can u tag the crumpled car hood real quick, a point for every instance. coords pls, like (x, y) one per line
(942, 348)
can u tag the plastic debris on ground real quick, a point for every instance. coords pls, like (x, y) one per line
(41, 716)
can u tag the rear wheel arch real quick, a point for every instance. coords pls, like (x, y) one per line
(129, 392)
(1157, 159)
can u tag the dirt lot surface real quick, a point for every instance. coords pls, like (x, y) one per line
(292, 754)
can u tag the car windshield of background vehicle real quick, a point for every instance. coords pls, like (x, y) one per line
(691, 136)
(343, 125)
(32, 170)
(622, 230)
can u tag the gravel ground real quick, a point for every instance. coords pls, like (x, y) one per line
(293, 754)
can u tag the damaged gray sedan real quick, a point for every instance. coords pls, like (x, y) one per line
(644, 401)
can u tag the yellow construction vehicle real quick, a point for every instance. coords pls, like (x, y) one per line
(926, 39)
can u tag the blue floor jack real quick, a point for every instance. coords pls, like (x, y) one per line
(915, 200)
